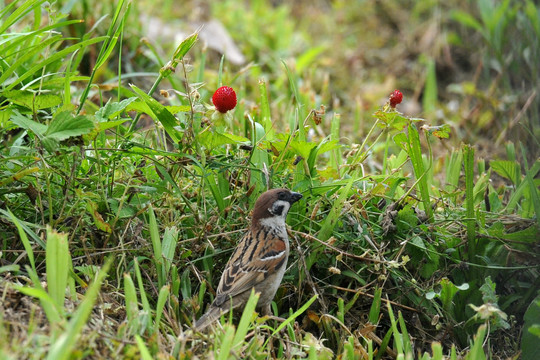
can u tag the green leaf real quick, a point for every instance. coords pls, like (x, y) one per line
(212, 139)
(448, 291)
(477, 351)
(400, 139)
(101, 224)
(302, 148)
(185, 46)
(442, 131)
(308, 57)
(58, 262)
(32, 100)
(54, 57)
(140, 106)
(506, 169)
(429, 100)
(161, 113)
(25, 123)
(132, 308)
(64, 125)
(531, 334)
(102, 126)
(170, 240)
(24, 239)
(162, 299)
(145, 353)
(375, 309)
(466, 19)
(392, 119)
(112, 109)
(64, 344)
(247, 316)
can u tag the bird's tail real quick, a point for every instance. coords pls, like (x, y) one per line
(209, 317)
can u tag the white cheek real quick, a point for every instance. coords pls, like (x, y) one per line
(286, 205)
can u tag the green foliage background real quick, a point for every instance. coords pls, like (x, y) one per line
(122, 192)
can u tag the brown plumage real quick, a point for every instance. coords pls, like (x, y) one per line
(259, 260)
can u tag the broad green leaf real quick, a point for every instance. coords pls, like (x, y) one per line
(112, 109)
(506, 169)
(212, 139)
(170, 239)
(302, 148)
(64, 125)
(391, 119)
(32, 100)
(400, 139)
(531, 331)
(26, 123)
(102, 126)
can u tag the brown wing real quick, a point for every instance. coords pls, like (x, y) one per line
(250, 264)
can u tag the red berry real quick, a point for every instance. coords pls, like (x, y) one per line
(395, 98)
(224, 99)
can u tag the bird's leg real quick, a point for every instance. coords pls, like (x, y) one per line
(267, 312)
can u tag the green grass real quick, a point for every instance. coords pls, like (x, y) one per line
(123, 193)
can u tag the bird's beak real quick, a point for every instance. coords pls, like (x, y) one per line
(294, 197)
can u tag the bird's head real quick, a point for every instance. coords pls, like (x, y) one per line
(272, 206)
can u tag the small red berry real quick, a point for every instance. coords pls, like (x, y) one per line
(395, 98)
(224, 99)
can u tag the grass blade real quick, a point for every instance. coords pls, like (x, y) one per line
(61, 348)
(469, 200)
(58, 263)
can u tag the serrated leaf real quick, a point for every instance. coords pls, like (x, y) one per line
(64, 125)
(506, 169)
(391, 119)
(303, 148)
(50, 144)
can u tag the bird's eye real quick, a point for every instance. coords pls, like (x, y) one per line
(282, 196)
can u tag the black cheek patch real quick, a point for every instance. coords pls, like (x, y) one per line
(278, 210)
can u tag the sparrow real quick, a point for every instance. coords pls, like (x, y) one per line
(258, 261)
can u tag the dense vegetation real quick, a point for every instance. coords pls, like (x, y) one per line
(123, 190)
